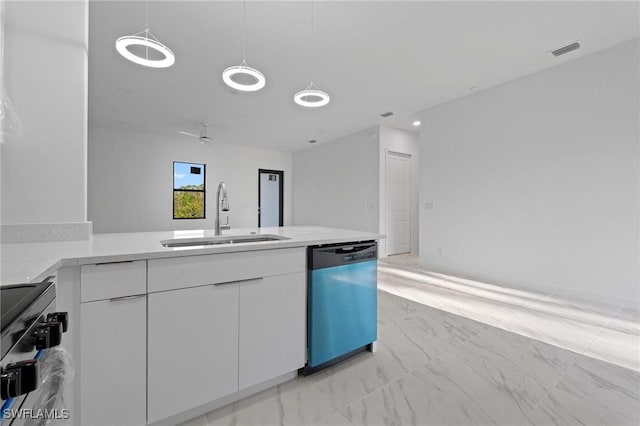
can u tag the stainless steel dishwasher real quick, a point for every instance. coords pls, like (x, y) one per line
(341, 303)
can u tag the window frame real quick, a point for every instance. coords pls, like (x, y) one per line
(204, 191)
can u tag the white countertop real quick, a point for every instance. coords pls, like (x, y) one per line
(26, 262)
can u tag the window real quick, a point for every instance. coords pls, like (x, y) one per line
(188, 191)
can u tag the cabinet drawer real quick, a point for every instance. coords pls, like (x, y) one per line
(191, 271)
(110, 280)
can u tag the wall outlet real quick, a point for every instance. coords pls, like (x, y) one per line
(440, 250)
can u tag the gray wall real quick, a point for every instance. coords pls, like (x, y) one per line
(131, 180)
(535, 182)
(44, 170)
(336, 183)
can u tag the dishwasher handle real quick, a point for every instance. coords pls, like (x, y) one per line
(350, 249)
(326, 257)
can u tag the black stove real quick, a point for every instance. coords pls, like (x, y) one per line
(21, 306)
(29, 326)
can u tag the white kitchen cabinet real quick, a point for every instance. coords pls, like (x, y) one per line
(113, 371)
(192, 348)
(272, 327)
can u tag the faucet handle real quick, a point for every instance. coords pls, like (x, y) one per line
(226, 226)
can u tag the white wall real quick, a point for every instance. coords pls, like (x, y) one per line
(336, 184)
(45, 54)
(131, 180)
(402, 141)
(535, 182)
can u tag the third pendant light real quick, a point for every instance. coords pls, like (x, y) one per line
(311, 96)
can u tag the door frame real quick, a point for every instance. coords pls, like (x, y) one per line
(281, 174)
(388, 152)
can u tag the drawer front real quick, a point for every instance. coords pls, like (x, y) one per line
(191, 271)
(111, 280)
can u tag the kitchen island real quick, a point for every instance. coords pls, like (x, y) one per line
(162, 334)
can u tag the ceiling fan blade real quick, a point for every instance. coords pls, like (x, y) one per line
(188, 134)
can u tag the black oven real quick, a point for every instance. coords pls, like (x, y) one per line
(29, 328)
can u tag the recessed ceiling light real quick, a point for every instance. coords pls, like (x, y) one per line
(416, 123)
(386, 114)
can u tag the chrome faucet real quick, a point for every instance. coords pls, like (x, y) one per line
(225, 208)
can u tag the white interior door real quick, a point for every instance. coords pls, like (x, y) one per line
(398, 176)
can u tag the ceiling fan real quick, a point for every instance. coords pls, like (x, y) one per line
(202, 137)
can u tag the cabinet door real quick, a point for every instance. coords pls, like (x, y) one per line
(113, 352)
(193, 348)
(272, 327)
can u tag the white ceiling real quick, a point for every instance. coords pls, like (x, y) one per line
(371, 57)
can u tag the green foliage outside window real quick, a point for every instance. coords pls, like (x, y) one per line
(188, 205)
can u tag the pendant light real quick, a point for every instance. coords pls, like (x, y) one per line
(244, 72)
(148, 41)
(311, 96)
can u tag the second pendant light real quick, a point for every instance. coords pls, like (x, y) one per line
(242, 77)
(311, 96)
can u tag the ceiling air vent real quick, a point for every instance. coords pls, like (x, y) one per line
(566, 49)
(386, 114)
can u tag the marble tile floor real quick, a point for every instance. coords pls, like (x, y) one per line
(453, 352)
(602, 327)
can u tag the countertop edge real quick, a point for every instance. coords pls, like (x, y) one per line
(220, 249)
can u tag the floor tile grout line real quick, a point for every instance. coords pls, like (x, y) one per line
(405, 374)
(555, 385)
(551, 388)
(458, 312)
(600, 332)
(322, 395)
(458, 343)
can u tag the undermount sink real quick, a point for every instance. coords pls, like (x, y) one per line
(225, 239)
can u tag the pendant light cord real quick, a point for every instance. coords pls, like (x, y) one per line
(244, 31)
(312, 48)
(146, 25)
